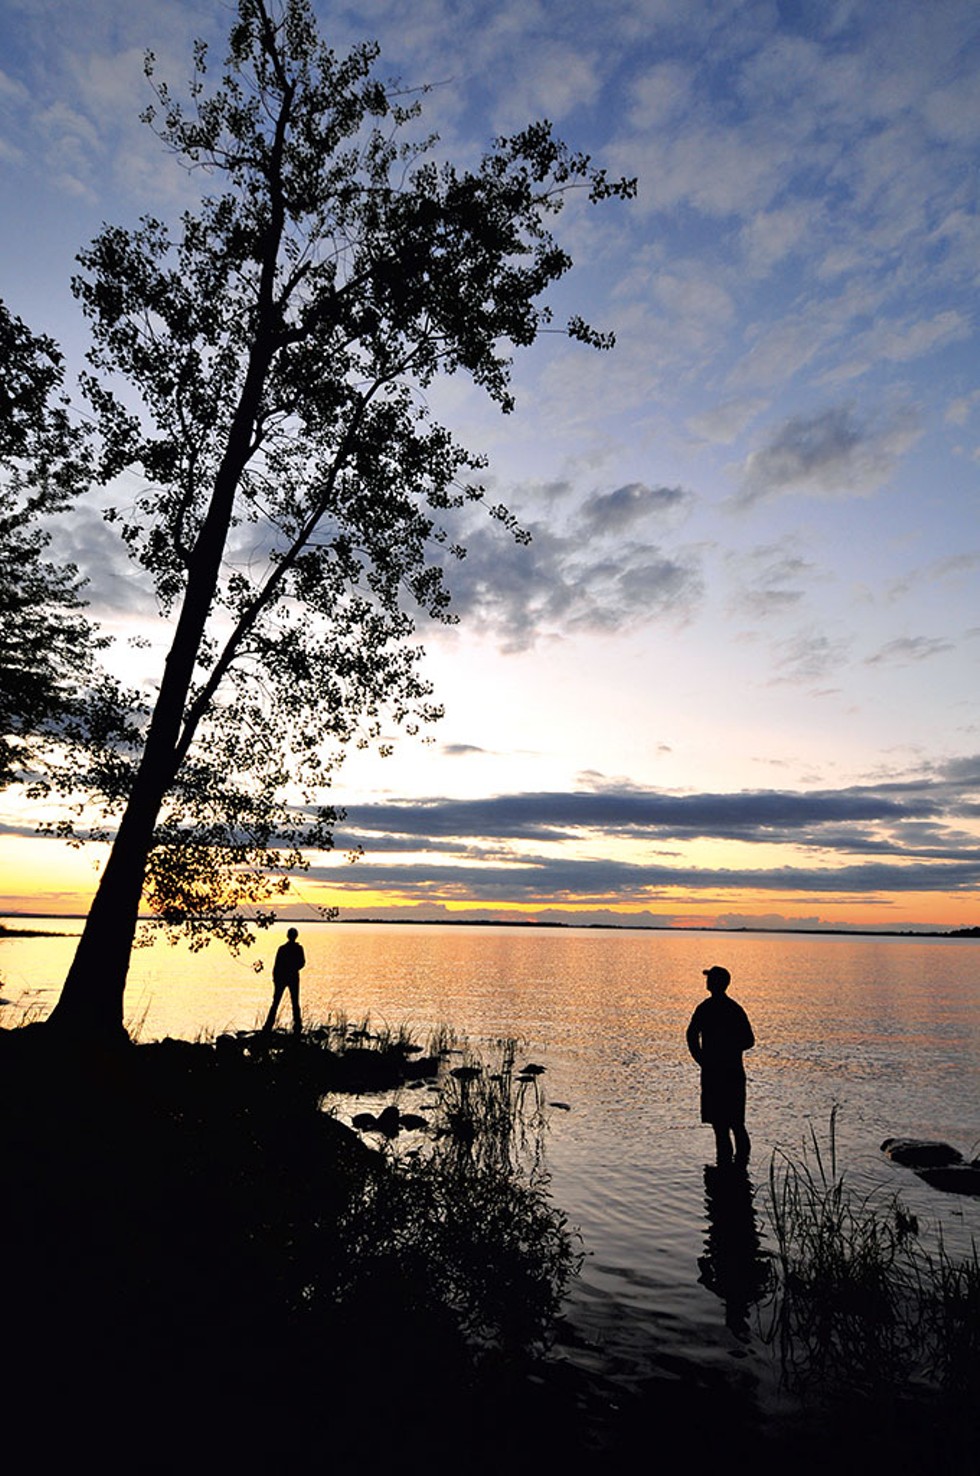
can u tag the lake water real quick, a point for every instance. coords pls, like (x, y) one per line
(886, 1029)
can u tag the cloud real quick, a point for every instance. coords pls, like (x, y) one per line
(771, 579)
(959, 410)
(605, 513)
(724, 422)
(661, 95)
(771, 235)
(12, 90)
(695, 301)
(899, 835)
(809, 657)
(752, 815)
(115, 585)
(781, 347)
(549, 82)
(737, 921)
(707, 166)
(952, 574)
(595, 917)
(551, 880)
(568, 581)
(900, 342)
(907, 649)
(830, 453)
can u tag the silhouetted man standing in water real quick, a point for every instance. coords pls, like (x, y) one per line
(718, 1034)
(290, 958)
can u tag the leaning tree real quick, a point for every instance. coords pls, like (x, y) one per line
(264, 369)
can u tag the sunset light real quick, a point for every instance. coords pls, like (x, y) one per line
(733, 675)
(490, 735)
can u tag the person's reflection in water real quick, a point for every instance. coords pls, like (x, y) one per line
(732, 1266)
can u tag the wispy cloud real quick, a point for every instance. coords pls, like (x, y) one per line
(563, 582)
(906, 649)
(615, 512)
(832, 453)
(770, 579)
(725, 421)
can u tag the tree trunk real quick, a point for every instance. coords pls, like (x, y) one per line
(91, 1001)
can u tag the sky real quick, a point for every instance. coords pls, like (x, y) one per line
(733, 679)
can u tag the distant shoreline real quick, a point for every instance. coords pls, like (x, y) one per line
(449, 922)
(6, 932)
(464, 922)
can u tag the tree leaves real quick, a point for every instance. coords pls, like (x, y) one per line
(263, 365)
(46, 644)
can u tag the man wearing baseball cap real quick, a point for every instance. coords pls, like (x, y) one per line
(718, 1034)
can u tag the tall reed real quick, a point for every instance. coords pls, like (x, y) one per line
(462, 1217)
(857, 1301)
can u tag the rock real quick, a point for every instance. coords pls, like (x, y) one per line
(389, 1121)
(920, 1153)
(365, 1122)
(422, 1068)
(954, 1178)
(412, 1122)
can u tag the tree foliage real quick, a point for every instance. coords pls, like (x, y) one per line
(277, 348)
(46, 644)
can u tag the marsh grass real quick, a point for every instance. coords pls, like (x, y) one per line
(858, 1303)
(461, 1218)
(493, 1112)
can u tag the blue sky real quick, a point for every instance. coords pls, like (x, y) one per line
(734, 675)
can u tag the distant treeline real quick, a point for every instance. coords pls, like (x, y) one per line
(486, 922)
(476, 922)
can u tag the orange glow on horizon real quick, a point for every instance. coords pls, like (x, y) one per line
(688, 908)
(43, 877)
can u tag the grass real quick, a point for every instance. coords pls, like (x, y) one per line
(474, 1195)
(858, 1303)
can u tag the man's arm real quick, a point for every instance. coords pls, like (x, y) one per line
(694, 1038)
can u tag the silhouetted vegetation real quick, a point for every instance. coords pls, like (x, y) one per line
(46, 644)
(866, 1320)
(267, 360)
(200, 1260)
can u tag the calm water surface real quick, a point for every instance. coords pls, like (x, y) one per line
(887, 1029)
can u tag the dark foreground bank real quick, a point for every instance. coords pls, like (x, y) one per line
(203, 1270)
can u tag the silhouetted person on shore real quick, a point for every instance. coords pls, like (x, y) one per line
(290, 958)
(718, 1034)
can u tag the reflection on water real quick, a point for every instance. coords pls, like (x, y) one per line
(733, 1266)
(887, 1028)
